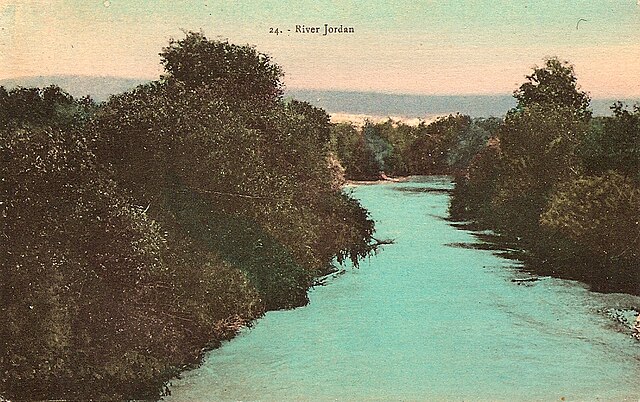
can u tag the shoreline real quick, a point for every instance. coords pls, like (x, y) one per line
(383, 179)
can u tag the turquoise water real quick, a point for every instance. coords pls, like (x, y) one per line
(425, 320)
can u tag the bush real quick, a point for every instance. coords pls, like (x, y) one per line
(602, 213)
(474, 191)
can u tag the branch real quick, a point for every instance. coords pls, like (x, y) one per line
(382, 242)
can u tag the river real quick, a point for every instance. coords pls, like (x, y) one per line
(426, 319)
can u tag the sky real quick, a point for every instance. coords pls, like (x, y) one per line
(403, 47)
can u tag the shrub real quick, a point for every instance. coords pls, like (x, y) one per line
(602, 213)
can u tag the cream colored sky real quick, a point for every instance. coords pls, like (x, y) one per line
(427, 47)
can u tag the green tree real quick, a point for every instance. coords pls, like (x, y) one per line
(238, 72)
(376, 137)
(134, 240)
(538, 151)
(49, 106)
(562, 183)
(431, 151)
(355, 154)
(613, 143)
(476, 186)
(470, 138)
(71, 244)
(400, 136)
(264, 161)
(602, 213)
(538, 142)
(554, 84)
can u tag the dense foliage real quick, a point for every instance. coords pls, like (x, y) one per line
(562, 183)
(599, 212)
(398, 149)
(138, 233)
(614, 143)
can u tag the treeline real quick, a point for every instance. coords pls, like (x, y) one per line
(560, 184)
(140, 232)
(394, 148)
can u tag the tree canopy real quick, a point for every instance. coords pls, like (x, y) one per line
(555, 84)
(239, 72)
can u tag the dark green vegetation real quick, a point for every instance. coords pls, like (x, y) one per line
(397, 149)
(140, 232)
(562, 185)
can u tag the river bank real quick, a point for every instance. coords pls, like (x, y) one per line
(537, 268)
(383, 179)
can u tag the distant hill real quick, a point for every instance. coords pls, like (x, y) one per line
(346, 102)
(410, 106)
(424, 106)
(100, 88)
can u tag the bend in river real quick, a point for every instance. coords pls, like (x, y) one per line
(426, 320)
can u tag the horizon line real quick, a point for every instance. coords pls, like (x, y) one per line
(330, 89)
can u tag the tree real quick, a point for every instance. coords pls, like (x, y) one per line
(476, 187)
(430, 152)
(353, 151)
(71, 244)
(538, 141)
(602, 213)
(400, 136)
(376, 137)
(133, 241)
(239, 72)
(613, 143)
(470, 139)
(225, 135)
(49, 106)
(553, 84)
(538, 151)
(562, 184)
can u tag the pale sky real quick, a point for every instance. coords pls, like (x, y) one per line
(415, 47)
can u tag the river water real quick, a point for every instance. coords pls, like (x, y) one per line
(428, 320)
